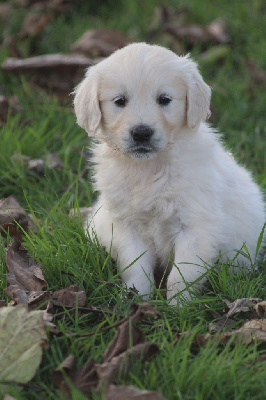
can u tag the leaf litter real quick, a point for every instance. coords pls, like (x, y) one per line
(129, 344)
(22, 338)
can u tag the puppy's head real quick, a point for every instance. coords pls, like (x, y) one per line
(140, 97)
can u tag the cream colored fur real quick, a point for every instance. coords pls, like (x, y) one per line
(185, 197)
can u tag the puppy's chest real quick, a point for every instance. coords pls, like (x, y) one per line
(144, 199)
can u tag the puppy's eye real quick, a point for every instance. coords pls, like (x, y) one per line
(120, 101)
(164, 100)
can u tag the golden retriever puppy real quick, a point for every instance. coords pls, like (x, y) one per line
(168, 188)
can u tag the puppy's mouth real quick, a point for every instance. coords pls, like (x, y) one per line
(142, 151)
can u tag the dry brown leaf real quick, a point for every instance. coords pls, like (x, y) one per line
(12, 214)
(24, 274)
(8, 397)
(84, 378)
(54, 5)
(253, 330)
(217, 32)
(109, 371)
(244, 305)
(4, 107)
(118, 356)
(52, 161)
(5, 10)
(70, 296)
(125, 392)
(100, 42)
(34, 24)
(257, 74)
(260, 308)
(128, 334)
(193, 34)
(36, 165)
(59, 72)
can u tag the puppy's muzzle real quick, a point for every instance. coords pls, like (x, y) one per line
(141, 134)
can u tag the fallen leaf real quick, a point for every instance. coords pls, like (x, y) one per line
(217, 32)
(22, 337)
(252, 330)
(52, 161)
(84, 378)
(8, 397)
(125, 392)
(5, 10)
(12, 214)
(8, 105)
(128, 334)
(33, 24)
(24, 274)
(194, 34)
(70, 296)
(127, 346)
(119, 366)
(257, 74)
(4, 107)
(54, 5)
(59, 72)
(244, 305)
(36, 165)
(260, 308)
(100, 42)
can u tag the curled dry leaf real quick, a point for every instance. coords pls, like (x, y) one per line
(244, 305)
(128, 334)
(12, 214)
(127, 346)
(24, 274)
(253, 330)
(5, 10)
(258, 75)
(8, 104)
(37, 165)
(214, 32)
(119, 366)
(70, 296)
(260, 308)
(84, 378)
(100, 42)
(52, 161)
(22, 337)
(59, 72)
(34, 24)
(123, 392)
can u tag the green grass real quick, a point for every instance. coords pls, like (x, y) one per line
(44, 125)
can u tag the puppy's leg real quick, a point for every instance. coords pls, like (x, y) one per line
(135, 262)
(134, 259)
(190, 254)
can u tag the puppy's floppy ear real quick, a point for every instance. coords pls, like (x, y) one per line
(86, 102)
(198, 96)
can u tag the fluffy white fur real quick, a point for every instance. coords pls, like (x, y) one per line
(180, 194)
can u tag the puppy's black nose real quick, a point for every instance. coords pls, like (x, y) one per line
(141, 133)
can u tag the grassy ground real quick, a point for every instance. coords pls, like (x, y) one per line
(44, 125)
